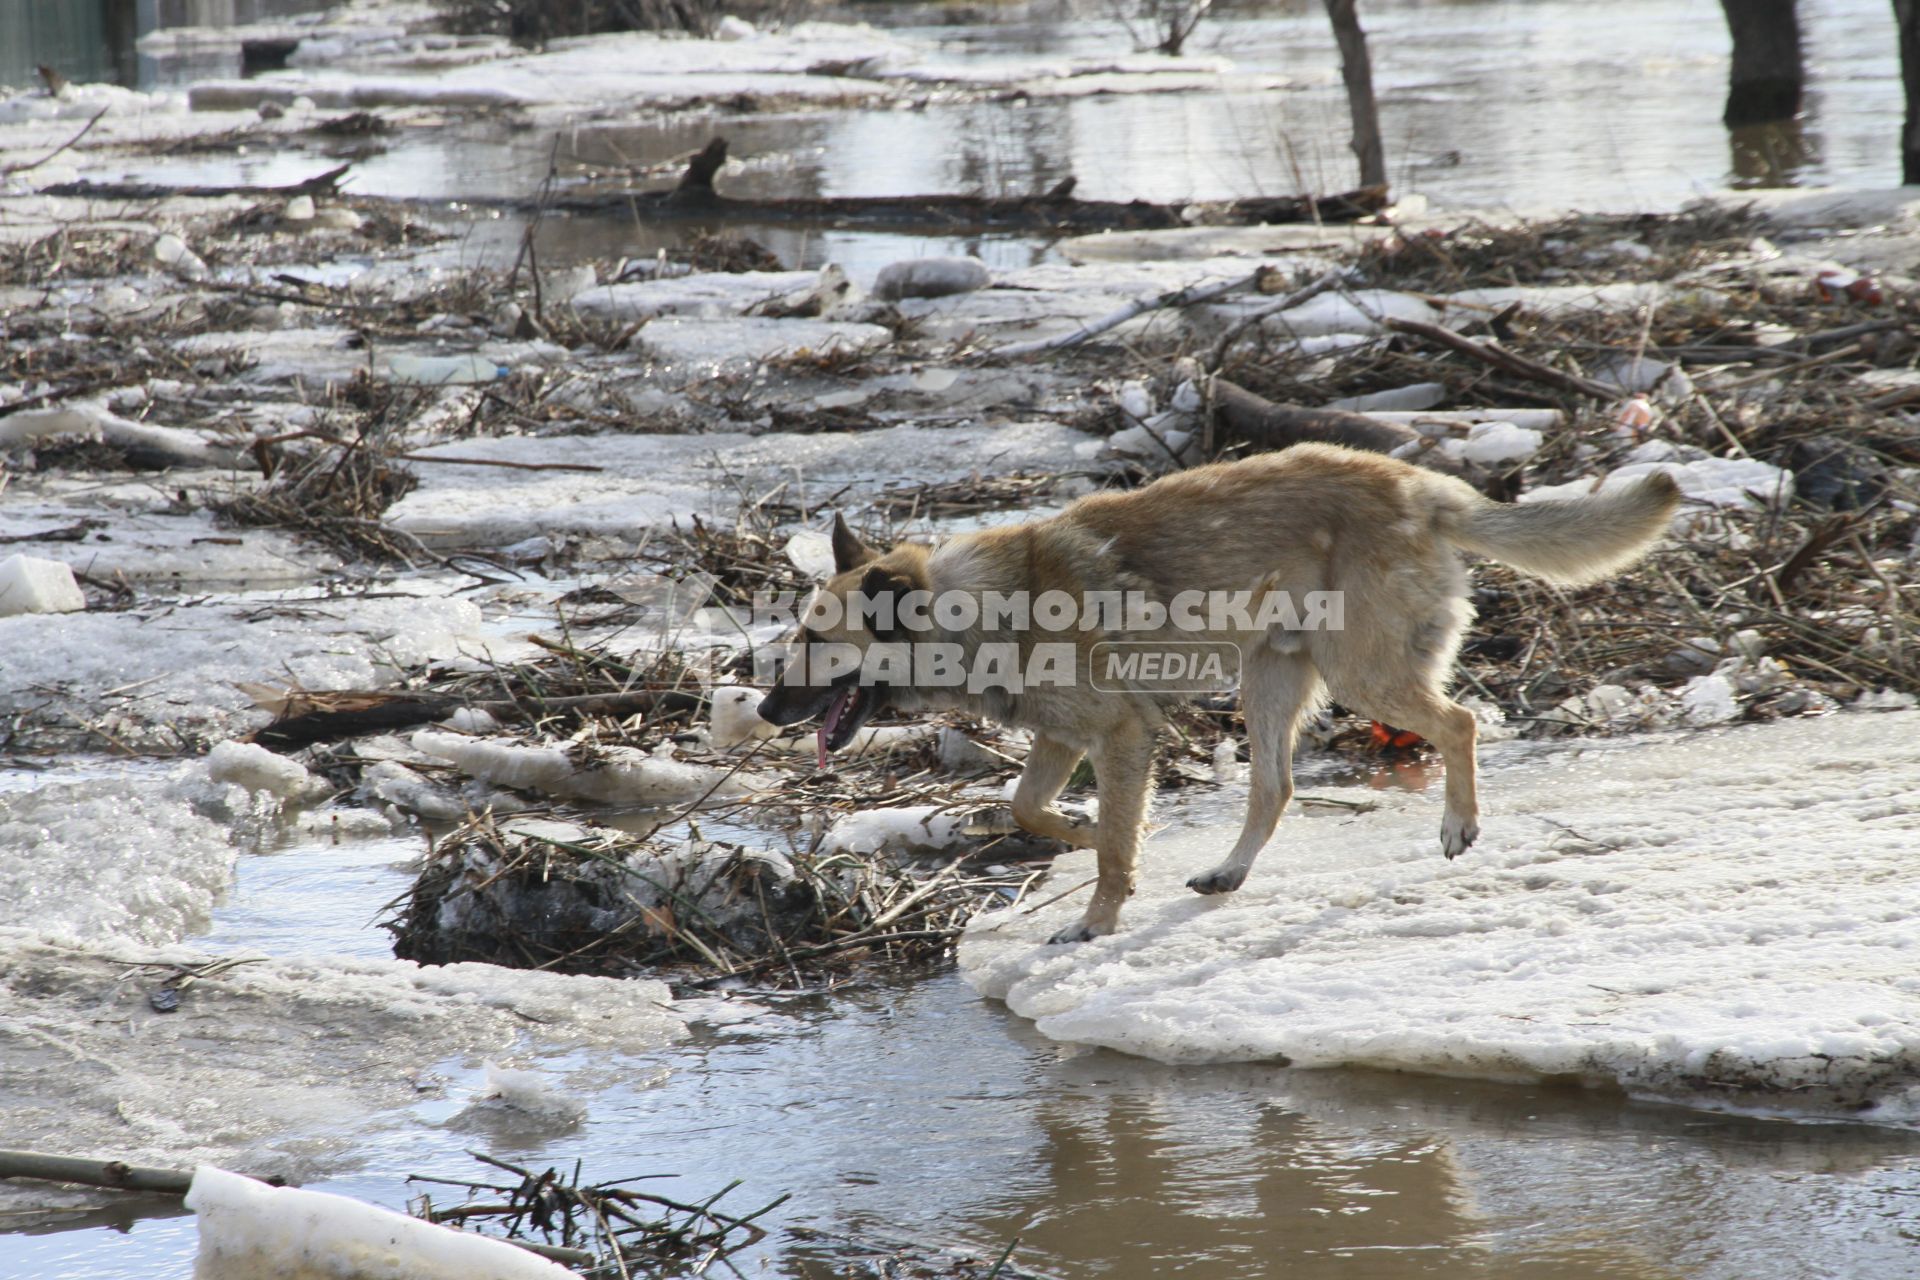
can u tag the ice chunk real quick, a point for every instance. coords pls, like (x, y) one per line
(925, 828)
(249, 1229)
(337, 218)
(1493, 443)
(609, 775)
(1407, 399)
(171, 252)
(930, 278)
(298, 209)
(735, 718)
(92, 420)
(249, 765)
(1720, 482)
(1708, 700)
(29, 584)
(531, 1092)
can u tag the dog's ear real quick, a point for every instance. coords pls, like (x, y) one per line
(848, 551)
(885, 590)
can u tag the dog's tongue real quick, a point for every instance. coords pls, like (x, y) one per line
(835, 709)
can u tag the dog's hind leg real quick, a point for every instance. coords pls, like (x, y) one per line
(1123, 767)
(1275, 689)
(1450, 727)
(1050, 763)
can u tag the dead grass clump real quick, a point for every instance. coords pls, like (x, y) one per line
(335, 494)
(79, 252)
(608, 902)
(728, 251)
(1577, 249)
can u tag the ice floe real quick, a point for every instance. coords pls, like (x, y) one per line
(250, 1229)
(274, 1066)
(1725, 919)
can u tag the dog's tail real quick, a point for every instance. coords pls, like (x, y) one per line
(1571, 542)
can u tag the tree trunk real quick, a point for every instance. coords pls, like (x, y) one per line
(1767, 74)
(1356, 68)
(1906, 14)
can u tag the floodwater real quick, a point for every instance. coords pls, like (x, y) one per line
(914, 1111)
(1524, 104)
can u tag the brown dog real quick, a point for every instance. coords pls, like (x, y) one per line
(1316, 571)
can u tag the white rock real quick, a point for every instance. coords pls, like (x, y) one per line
(298, 209)
(1226, 763)
(733, 28)
(29, 584)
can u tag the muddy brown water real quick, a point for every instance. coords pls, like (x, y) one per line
(905, 1110)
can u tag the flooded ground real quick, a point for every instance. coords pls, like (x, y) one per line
(1486, 104)
(917, 1112)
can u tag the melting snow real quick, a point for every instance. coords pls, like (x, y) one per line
(1727, 918)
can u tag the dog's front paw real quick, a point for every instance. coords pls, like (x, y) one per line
(1456, 837)
(1218, 880)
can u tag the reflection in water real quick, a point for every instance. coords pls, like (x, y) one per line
(1773, 154)
(1484, 103)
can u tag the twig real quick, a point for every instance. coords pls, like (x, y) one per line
(1319, 286)
(1499, 357)
(35, 164)
(1192, 295)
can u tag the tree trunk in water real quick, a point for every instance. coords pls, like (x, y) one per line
(1356, 68)
(1767, 74)
(1906, 14)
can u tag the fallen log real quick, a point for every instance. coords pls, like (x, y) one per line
(328, 716)
(117, 1174)
(320, 184)
(696, 200)
(1269, 427)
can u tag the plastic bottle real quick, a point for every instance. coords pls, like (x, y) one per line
(434, 371)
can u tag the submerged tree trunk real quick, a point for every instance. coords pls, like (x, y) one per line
(1356, 68)
(1768, 75)
(1906, 14)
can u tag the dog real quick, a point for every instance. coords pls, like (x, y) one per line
(1368, 542)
